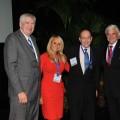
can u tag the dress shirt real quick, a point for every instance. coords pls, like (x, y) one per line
(113, 46)
(32, 44)
(82, 57)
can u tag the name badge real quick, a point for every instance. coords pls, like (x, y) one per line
(73, 61)
(57, 78)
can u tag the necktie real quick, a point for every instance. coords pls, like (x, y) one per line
(86, 59)
(30, 43)
(109, 57)
(31, 46)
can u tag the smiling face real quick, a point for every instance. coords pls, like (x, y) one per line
(55, 45)
(85, 38)
(112, 36)
(27, 25)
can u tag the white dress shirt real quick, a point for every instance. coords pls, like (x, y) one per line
(82, 57)
(32, 44)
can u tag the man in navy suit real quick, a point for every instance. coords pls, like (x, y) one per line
(111, 67)
(22, 67)
(83, 81)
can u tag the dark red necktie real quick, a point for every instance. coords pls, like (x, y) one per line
(109, 57)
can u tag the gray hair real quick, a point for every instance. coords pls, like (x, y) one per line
(23, 16)
(113, 27)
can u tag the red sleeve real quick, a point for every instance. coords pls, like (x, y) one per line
(42, 59)
(67, 66)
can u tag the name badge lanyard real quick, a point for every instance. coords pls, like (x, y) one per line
(57, 67)
(89, 60)
(110, 56)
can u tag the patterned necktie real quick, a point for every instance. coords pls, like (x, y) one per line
(31, 46)
(109, 57)
(30, 43)
(86, 59)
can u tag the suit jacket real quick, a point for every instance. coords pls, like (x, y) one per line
(112, 72)
(21, 66)
(80, 84)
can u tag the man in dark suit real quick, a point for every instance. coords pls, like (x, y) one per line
(21, 61)
(81, 85)
(111, 66)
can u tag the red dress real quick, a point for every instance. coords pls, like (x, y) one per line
(52, 92)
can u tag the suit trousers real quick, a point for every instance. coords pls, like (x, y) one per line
(82, 108)
(114, 106)
(28, 111)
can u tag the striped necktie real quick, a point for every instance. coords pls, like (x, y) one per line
(31, 46)
(30, 43)
(109, 57)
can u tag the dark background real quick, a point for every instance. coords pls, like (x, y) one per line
(107, 8)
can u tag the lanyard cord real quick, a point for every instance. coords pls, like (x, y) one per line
(57, 65)
(90, 60)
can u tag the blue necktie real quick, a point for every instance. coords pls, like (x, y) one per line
(86, 59)
(31, 46)
(30, 43)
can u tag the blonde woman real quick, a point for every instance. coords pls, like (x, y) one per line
(53, 63)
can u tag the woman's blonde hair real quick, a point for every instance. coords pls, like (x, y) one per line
(60, 52)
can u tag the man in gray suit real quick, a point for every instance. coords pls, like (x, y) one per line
(22, 67)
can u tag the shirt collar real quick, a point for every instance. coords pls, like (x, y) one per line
(24, 34)
(113, 44)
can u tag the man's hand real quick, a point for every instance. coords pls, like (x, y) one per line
(22, 97)
(96, 93)
(41, 100)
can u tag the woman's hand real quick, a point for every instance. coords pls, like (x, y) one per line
(41, 101)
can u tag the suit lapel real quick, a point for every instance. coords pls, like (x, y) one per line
(26, 47)
(36, 48)
(78, 58)
(92, 55)
(116, 52)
